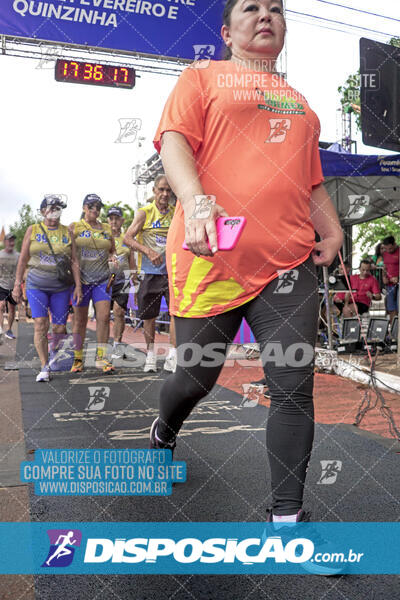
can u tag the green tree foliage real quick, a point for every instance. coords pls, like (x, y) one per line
(371, 233)
(350, 96)
(127, 210)
(350, 91)
(26, 217)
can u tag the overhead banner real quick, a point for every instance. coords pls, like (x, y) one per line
(187, 29)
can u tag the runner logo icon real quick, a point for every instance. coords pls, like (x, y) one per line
(357, 206)
(279, 129)
(203, 53)
(330, 470)
(62, 547)
(98, 397)
(128, 130)
(286, 281)
(252, 394)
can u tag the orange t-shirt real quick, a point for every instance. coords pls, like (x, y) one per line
(255, 142)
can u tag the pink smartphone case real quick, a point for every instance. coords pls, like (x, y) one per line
(229, 230)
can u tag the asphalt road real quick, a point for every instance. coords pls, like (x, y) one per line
(227, 480)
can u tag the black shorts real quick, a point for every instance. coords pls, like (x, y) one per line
(119, 295)
(6, 295)
(362, 308)
(339, 305)
(151, 290)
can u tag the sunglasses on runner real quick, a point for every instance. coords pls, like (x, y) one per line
(53, 201)
(95, 205)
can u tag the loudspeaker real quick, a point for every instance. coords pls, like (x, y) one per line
(377, 331)
(380, 94)
(351, 331)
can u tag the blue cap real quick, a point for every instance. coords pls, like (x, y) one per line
(91, 198)
(115, 210)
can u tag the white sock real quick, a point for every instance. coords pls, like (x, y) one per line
(150, 353)
(171, 352)
(280, 520)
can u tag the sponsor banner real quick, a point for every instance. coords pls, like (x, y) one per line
(189, 29)
(199, 548)
(98, 472)
(336, 164)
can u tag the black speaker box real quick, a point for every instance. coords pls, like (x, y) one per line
(380, 94)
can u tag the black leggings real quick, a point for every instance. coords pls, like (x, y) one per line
(283, 318)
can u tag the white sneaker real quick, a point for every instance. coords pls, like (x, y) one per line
(170, 363)
(44, 375)
(150, 364)
(118, 351)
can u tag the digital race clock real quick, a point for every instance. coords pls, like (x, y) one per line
(73, 71)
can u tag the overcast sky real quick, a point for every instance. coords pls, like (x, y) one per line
(58, 137)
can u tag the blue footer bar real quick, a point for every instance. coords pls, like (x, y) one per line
(196, 548)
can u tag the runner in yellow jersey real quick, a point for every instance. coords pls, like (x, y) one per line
(95, 247)
(46, 293)
(148, 235)
(125, 273)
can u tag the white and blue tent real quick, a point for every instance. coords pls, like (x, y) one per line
(362, 187)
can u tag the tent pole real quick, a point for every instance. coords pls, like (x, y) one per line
(328, 307)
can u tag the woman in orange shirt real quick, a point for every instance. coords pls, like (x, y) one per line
(236, 139)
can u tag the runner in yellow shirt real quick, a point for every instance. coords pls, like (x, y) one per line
(125, 273)
(148, 235)
(95, 247)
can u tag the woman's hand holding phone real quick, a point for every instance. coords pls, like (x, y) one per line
(200, 226)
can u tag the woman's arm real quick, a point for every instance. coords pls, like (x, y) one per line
(326, 224)
(76, 271)
(180, 168)
(22, 262)
(132, 266)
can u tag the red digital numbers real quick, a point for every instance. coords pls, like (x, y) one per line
(94, 73)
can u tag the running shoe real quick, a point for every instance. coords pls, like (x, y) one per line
(105, 365)
(150, 364)
(155, 443)
(9, 334)
(77, 366)
(44, 375)
(288, 530)
(118, 351)
(170, 364)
